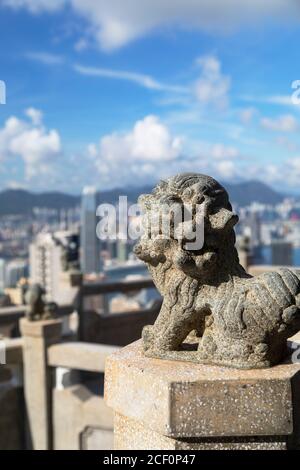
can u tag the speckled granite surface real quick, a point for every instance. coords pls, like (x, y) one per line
(188, 405)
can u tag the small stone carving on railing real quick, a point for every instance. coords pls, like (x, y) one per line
(38, 308)
(213, 311)
(69, 264)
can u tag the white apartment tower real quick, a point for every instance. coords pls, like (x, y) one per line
(46, 266)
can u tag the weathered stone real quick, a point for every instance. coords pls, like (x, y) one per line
(80, 355)
(81, 420)
(37, 337)
(213, 311)
(195, 406)
(95, 438)
(132, 435)
(47, 329)
(37, 308)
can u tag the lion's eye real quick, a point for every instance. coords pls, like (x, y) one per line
(173, 200)
(200, 199)
(187, 193)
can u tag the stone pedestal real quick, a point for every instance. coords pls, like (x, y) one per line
(162, 405)
(38, 336)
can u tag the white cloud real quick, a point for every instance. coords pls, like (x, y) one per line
(29, 140)
(149, 140)
(281, 100)
(289, 145)
(247, 114)
(281, 175)
(221, 151)
(212, 87)
(81, 45)
(149, 152)
(226, 169)
(285, 123)
(134, 156)
(35, 6)
(294, 167)
(288, 171)
(12, 184)
(45, 58)
(35, 115)
(145, 81)
(284, 100)
(114, 24)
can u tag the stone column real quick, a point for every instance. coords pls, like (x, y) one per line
(161, 405)
(38, 336)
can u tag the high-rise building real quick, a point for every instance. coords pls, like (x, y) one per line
(14, 271)
(49, 255)
(112, 248)
(45, 263)
(253, 229)
(124, 249)
(89, 242)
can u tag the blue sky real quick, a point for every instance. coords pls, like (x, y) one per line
(127, 92)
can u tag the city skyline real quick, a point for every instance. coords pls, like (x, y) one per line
(116, 98)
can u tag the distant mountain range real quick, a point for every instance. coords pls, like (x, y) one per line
(250, 191)
(21, 202)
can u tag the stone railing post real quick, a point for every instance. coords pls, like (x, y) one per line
(38, 336)
(165, 405)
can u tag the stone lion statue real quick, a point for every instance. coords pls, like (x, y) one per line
(37, 308)
(213, 311)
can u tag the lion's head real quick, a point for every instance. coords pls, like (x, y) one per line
(203, 207)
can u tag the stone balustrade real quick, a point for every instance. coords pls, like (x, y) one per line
(80, 356)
